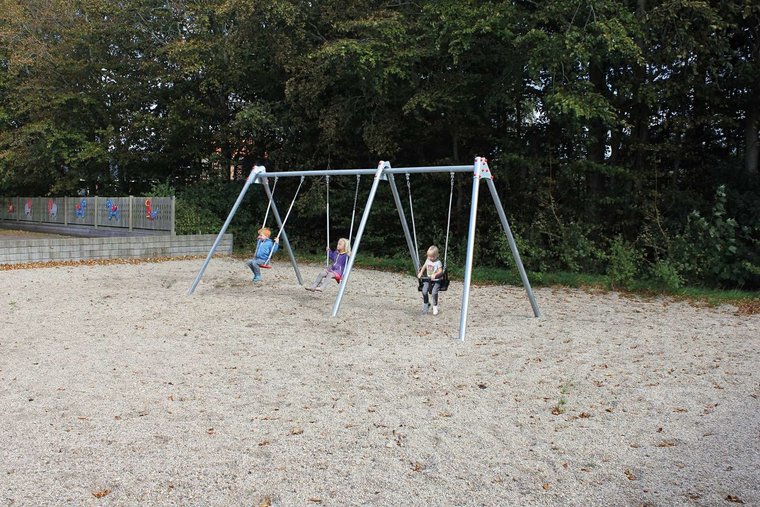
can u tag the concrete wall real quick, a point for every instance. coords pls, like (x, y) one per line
(70, 249)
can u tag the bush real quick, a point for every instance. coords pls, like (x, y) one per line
(623, 263)
(665, 275)
(191, 219)
(715, 250)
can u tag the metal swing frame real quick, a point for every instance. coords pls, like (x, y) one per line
(384, 172)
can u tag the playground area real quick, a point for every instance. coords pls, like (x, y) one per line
(121, 389)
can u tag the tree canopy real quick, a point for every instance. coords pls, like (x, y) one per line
(608, 123)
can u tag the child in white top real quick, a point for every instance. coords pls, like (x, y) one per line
(432, 269)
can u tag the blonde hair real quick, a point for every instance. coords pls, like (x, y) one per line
(347, 243)
(264, 231)
(433, 252)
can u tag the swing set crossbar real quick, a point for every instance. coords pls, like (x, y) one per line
(362, 172)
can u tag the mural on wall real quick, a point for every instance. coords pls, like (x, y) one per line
(11, 208)
(80, 208)
(52, 208)
(28, 207)
(150, 213)
(113, 210)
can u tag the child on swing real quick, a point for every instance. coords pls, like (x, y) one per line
(265, 248)
(338, 257)
(432, 269)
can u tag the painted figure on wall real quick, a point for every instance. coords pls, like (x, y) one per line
(150, 213)
(28, 207)
(52, 208)
(113, 210)
(11, 208)
(80, 209)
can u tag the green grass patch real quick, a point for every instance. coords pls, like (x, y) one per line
(487, 275)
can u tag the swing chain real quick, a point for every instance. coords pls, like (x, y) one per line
(353, 213)
(411, 213)
(282, 227)
(327, 199)
(448, 223)
(269, 205)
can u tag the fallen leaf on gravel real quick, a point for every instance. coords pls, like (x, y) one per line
(265, 502)
(211, 431)
(547, 485)
(296, 431)
(584, 415)
(630, 475)
(417, 466)
(315, 500)
(93, 262)
(101, 493)
(749, 307)
(666, 443)
(444, 414)
(680, 410)
(482, 386)
(263, 443)
(734, 499)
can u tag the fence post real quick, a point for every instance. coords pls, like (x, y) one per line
(131, 198)
(18, 212)
(172, 215)
(96, 208)
(65, 211)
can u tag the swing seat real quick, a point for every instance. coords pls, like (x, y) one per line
(442, 281)
(265, 266)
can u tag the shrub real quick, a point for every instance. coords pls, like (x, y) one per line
(623, 263)
(665, 275)
(191, 219)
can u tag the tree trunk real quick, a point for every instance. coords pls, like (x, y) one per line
(752, 142)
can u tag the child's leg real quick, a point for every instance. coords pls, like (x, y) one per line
(253, 264)
(325, 276)
(320, 278)
(257, 267)
(425, 289)
(436, 288)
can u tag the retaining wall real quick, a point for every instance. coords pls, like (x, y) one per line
(74, 249)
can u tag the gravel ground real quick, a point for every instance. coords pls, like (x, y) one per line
(119, 389)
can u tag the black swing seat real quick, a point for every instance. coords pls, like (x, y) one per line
(442, 281)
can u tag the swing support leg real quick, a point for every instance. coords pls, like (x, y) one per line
(404, 223)
(251, 177)
(513, 247)
(470, 249)
(283, 234)
(365, 215)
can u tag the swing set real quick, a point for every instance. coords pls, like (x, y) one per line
(384, 172)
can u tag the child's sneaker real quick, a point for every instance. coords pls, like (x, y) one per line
(425, 308)
(435, 310)
(256, 279)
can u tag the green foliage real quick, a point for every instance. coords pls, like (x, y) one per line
(715, 250)
(163, 189)
(593, 114)
(192, 219)
(623, 265)
(665, 275)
